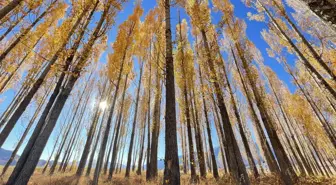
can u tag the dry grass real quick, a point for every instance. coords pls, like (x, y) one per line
(118, 179)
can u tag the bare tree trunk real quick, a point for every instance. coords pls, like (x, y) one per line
(58, 154)
(220, 133)
(129, 156)
(199, 144)
(88, 170)
(240, 126)
(111, 147)
(149, 123)
(172, 168)
(152, 168)
(183, 143)
(90, 136)
(114, 152)
(235, 160)
(52, 152)
(208, 128)
(138, 172)
(286, 171)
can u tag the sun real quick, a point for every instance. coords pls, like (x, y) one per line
(103, 105)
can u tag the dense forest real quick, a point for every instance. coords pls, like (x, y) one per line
(92, 92)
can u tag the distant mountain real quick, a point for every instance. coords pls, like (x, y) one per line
(5, 155)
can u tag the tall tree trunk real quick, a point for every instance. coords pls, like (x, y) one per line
(89, 167)
(108, 125)
(129, 155)
(286, 171)
(235, 159)
(199, 144)
(114, 152)
(172, 168)
(109, 153)
(270, 159)
(52, 152)
(208, 128)
(153, 171)
(90, 136)
(183, 143)
(220, 133)
(250, 158)
(190, 136)
(58, 154)
(149, 123)
(138, 172)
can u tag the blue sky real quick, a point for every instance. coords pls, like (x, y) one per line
(253, 33)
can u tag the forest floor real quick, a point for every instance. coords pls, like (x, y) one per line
(119, 179)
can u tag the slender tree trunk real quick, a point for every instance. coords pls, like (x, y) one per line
(138, 172)
(183, 150)
(114, 152)
(108, 126)
(129, 156)
(236, 164)
(190, 136)
(287, 173)
(89, 138)
(208, 128)
(110, 148)
(89, 167)
(198, 136)
(52, 152)
(58, 154)
(149, 123)
(250, 158)
(152, 168)
(220, 134)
